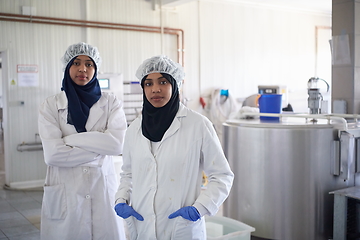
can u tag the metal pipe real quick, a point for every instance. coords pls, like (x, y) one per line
(329, 117)
(96, 24)
(29, 147)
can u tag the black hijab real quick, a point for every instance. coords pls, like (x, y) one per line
(80, 98)
(155, 121)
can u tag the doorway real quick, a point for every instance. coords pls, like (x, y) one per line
(2, 158)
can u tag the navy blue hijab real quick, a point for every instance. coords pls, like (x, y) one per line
(80, 98)
(155, 121)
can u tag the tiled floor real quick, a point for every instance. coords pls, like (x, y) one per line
(20, 214)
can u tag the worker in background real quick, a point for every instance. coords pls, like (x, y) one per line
(166, 150)
(80, 128)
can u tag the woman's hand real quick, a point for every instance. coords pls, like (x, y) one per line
(123, 210)
(189, 213)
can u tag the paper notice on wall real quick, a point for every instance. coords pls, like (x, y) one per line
(28, 75)
(340, 49)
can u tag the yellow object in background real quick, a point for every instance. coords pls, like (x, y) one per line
(205, 179)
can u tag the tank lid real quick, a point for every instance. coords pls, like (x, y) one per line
(285, 123)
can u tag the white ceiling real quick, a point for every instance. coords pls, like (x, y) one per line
(322, 6)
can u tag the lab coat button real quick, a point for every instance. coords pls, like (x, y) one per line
(85, 170)
(87, 196)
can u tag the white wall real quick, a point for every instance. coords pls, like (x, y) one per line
(227, 45)
(239, 47)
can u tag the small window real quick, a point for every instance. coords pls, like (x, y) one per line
(104, 83)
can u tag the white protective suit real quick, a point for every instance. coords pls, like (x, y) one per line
(81, 182)
(158, 184)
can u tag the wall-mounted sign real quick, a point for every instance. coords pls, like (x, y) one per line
(340, 48)
(28, 75)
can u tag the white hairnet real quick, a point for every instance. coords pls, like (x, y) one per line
(81, 48)
(161, 64)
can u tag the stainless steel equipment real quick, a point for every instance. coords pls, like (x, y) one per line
(284, 172)
(315, 98)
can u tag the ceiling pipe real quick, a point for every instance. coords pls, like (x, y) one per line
(95, 24)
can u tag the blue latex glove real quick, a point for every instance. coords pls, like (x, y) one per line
(125, 211)
(189, 213)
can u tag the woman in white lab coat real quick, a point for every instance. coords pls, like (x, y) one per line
(166, 150)
(80, 128)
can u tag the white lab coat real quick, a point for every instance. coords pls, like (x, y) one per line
(158, 184)
(81, 182)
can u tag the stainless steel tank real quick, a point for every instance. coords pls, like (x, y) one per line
(283, 175)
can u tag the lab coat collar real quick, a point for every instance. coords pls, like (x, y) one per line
(182, 112)
(61, 101)
(96, 111)
(95, 114)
